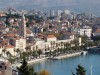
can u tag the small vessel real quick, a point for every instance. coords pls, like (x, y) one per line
(94, 49)
(84, 52)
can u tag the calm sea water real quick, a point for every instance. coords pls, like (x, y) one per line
(68, 65)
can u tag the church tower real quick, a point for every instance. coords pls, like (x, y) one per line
(23, 26)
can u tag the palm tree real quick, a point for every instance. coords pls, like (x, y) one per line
(39, 52)
(34, 54)
(14, 51)
(28, 48)
(18, 50)
(57, 45)
(33, 49)
(62, 44)
(50, 53)
(9, 55)
(36, 47)
(24, 55)
(18, 53)
(51, 44)
(4, 51)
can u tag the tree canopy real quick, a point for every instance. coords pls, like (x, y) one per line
(24, 69)
(80, 70)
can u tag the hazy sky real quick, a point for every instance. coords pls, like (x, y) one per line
(75, 5)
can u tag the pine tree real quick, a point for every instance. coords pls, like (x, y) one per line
(80, 70)
(24, 69)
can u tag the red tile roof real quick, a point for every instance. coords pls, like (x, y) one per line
(50, 36)
(9, 46)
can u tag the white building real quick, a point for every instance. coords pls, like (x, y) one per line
(41, 45)
(9, 48)
(38, 44)
(52, 13)
(58, 14)
(86, 30)
(67, 11)
(18, 42)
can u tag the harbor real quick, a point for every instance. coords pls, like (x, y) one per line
(68, 65)
(66, 56)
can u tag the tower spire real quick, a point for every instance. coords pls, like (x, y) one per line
(23, 26)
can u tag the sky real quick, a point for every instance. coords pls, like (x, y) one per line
(74, 5)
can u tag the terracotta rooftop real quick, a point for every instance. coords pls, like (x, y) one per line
(16, 37)
(97, 31)
(50, 36)
(4, 41)
(9, 46)
(10, 35)
(28, 31)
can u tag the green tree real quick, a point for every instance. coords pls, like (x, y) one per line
(24, 69)
(18, 51)
(80, 70)
(39, 52)
(4, 51)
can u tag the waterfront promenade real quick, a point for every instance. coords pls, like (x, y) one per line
(66, 56)
(30, 62)
(52, 58)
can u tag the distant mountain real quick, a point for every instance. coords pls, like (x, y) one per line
(74, 5)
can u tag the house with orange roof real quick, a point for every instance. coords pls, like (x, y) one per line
(9, 35)
(29, 32)
(51, 38)
(97, 33)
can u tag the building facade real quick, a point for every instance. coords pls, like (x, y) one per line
(85, 31)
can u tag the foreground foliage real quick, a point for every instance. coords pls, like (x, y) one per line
(80, 70)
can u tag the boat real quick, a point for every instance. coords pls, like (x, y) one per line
(84, 52)
(94, 50)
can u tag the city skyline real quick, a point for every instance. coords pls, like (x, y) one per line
(73, 5)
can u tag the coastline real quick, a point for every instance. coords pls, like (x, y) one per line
(66, 56)
(36, 60)
(52, 58)
(29, 62)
